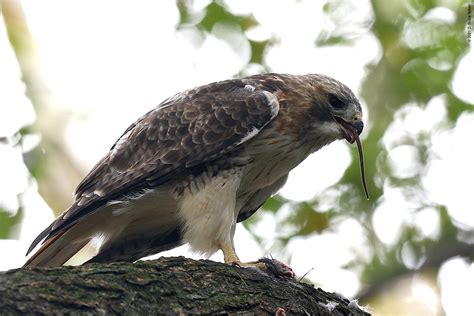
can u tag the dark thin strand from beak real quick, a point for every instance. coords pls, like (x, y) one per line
(362, 167)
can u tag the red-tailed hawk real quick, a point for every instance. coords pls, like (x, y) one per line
(201, 161)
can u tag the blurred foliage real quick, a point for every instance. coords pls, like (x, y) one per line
(11, 217)
(411, 45)
(217, 13)
(48, 169)
(8, 222)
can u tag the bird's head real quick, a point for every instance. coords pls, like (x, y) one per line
(334, 109)
(335, 113)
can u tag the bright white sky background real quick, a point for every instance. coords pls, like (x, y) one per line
(103, 57)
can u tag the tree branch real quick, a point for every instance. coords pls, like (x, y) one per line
(167, 285)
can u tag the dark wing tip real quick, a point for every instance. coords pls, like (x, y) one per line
(39, 238)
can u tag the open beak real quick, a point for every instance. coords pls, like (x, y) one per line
(351, 130)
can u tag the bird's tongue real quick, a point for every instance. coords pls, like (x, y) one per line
(361, 164)
(351, 135)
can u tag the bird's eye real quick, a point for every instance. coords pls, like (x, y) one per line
(335, 101)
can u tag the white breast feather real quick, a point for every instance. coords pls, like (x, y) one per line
(209, 214)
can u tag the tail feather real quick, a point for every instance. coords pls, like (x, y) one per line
(56, 250)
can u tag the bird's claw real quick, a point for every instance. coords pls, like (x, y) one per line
(236, 264)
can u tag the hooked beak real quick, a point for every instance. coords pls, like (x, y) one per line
(351, 130)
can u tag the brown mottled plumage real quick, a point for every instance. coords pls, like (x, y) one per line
(201, 161)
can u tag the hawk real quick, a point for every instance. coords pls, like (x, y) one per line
(200, 162)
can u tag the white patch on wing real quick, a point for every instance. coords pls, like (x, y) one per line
(113, 202)
(99, 193)
(273, 102)
(275, 108)
(249, 88)
(251, 134)
(209, 214)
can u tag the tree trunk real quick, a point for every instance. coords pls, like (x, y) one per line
(164, 286)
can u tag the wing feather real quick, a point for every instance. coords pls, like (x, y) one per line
(188, 130)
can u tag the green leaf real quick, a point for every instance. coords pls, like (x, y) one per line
(274, 203)
(7, 222)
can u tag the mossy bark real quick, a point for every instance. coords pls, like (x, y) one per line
(163, 286)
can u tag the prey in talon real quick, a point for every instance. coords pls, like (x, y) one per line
(197, 164)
